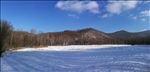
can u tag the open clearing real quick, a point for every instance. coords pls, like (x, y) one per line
(103, 59)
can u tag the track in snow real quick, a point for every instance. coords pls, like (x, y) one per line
(117, 59)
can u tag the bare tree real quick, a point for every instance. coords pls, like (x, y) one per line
(5, 36)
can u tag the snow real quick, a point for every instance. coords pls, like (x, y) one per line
(96, 59)
(71, 47)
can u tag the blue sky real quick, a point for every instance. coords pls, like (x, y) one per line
(52, 16)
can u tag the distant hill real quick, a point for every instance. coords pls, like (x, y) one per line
(125, 34)
(142, 37)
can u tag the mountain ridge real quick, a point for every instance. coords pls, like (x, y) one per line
(87, 36)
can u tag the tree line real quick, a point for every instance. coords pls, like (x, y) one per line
(10, 39)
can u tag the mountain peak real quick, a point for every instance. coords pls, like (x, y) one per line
(87, 29)
(123, 31)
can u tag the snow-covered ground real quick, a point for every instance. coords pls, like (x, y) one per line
(71, 47)
(92, 58)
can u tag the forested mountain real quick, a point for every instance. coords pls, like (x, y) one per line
(79, 37)
(13, 39)
(83, 36)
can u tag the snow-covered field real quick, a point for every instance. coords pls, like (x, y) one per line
(86, 58)
(71, 47)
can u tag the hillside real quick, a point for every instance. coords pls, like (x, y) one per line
(79, 37)
(83, 36)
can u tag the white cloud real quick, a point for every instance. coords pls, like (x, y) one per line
(135, 17)
(78, 6)
(116, 7)
(73, 15)
(145, 2)
(143, 19)
(145, 13)
(105, 15)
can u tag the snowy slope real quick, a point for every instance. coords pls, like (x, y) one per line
(114, 59)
